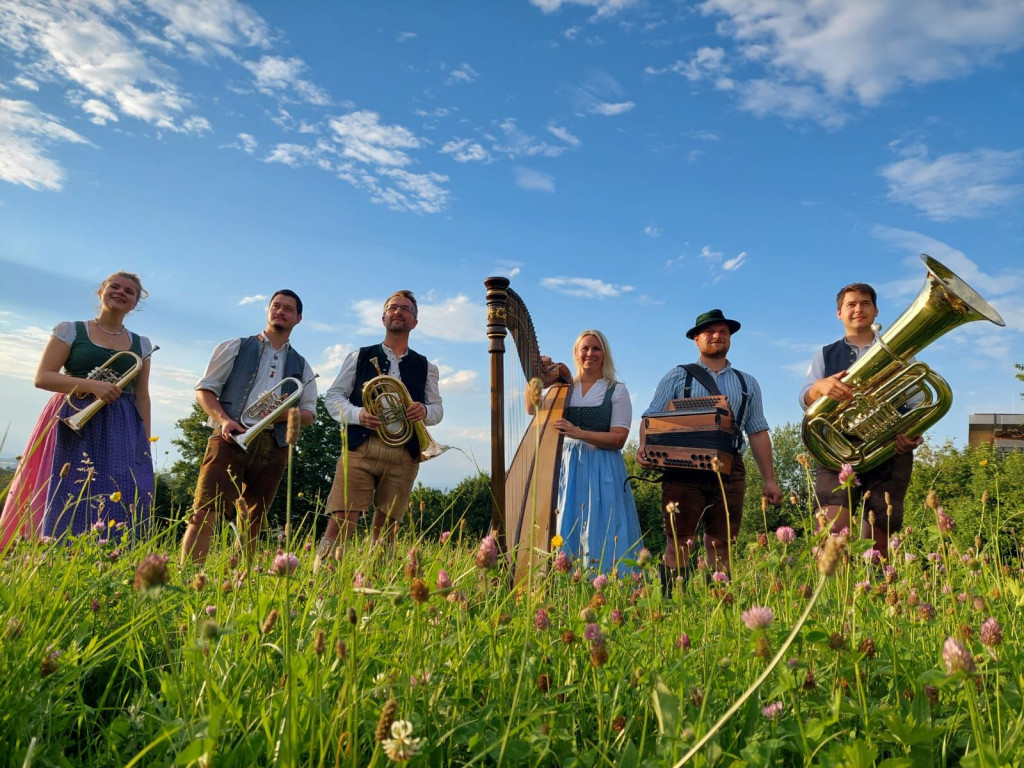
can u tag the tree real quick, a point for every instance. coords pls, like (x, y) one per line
(1020, 374)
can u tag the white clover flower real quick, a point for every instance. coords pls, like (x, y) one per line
(401, 746)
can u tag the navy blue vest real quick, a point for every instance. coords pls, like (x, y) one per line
(243, 376)
(413, 370)
(839, 356)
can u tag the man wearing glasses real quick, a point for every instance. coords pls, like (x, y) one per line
(378, 473)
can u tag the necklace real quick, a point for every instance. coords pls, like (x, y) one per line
(109, 333)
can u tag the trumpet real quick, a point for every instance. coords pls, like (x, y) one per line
(266, 409)
(891, 394)
(387, 398)
(104, 372)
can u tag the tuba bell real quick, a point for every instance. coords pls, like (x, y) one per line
(893, 395)
(387, 398)
(104, 372)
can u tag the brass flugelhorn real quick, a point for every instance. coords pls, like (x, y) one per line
(387, 398)
(266, 409)
(891, 394)
(104, 372)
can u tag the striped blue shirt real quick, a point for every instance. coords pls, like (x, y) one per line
(727, 379)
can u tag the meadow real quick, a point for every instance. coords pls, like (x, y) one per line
(815, 652)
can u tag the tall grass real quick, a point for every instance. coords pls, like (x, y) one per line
(248, 662)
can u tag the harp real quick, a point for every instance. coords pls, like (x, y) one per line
(524, 490)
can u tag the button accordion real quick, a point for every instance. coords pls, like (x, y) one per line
(692, 432)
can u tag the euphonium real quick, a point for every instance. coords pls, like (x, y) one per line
(891, 394)
(104, 372)
(266, 409)
(387, 398)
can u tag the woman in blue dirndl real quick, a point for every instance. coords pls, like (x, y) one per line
(597, 517)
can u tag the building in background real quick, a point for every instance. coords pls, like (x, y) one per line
(1004, 431)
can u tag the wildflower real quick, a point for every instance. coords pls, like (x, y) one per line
(720, 578)
(890, 574)
(956, 657)
(793, 498)
(151, 573)
(412, 565)
(541, 619)
(285, 564)
(683, 642)
(829, 558)
(445, 535)
(600, 581)
(991, 632)
(983, 462)
(758, 617)
(946, 523)
(115, 497)
(359, 581)
(847, 478)
(568, 638)
(209, 630)
(593, 633)
(99, 526)
(319, 643)
(909, 557)
(862, 587)
(211, 610)
(387, 717)
(154, 438)
(809, 682)
(419, 591)
(872, 556)
(773, 711)
(598, 654)
(867, 647)
(644, 557)
(401, 747)
(785, 534)
(487, 554)
(562, 562)
(616, 618)
(836, 641)
(443, 580)
(557, 541)
(294, 428)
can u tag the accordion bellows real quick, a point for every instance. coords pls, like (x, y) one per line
(692, 432)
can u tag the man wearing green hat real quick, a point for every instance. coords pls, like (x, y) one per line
(692, 496)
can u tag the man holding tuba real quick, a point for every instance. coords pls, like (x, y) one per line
(241, 373)
(856, 309)
(379, 471)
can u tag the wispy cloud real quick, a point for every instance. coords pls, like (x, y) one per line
(563, 134)
(717, 262)
(453, 381)
(258, 298)
(585, 287)
(465, 151)
(600, 94)
(330, 363)
(956, 186)
(602, 8)
(19, 345)
(515, 142)
(404, 36)
(276, 76)
(534, 181)
(26, 133)
(609, 109)
(652, 231)
(463, 73)
(455, 319)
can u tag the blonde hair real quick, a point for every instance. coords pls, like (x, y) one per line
(608, 366)
(143, 293)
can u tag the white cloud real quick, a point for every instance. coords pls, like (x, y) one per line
(456, 319)
(610, 110)
(330, 363)
(457, 381)
(465, 151)
(293, 155)
(258, 298)
(860, 52)
(584, 287)
(571, 33)
(534, 181)
(249, 143)
(706, 62)
(703, 135)
(100, 111)
(217, 25)
(25, 133)
(19, 345)
(602, 8)
(956, 186)
(463, 73)
(26, 83)
(718, 263)
(563, 134)
(276, 75)
(518, 143)
(793, 102)
(731, 265)
(435, 112)
(652, 231)
(403, 36)
(365, 139)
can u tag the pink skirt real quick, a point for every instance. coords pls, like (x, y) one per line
(26, 498)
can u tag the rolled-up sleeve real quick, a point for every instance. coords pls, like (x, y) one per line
(815, 371)
(432, 397)
(754, 420)
(343, 410)
(220, 366)
(307, 400)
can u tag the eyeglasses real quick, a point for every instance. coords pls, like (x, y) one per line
(407, 308)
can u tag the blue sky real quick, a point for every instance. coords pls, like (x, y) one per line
(628, 164)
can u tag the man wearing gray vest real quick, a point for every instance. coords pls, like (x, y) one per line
(377, 473)
(693, 496)
(239, 372)
(856, 309)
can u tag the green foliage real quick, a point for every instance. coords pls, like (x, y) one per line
(647, 495)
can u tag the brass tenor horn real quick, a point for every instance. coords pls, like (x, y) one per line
(104, 372)
(387, 398)
(893, 395)
(266, 409)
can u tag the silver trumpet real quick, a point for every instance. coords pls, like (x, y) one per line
(266, 409)
(104, 372)
(387, 398)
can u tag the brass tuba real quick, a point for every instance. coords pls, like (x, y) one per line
(104, 372)
(387, 398)
(266, 409)
(893, 395)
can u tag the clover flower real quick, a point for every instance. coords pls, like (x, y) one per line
(847, 477)
(758, 617)
(419, 591)
(412, 565)
(445, 535)
(872, 556)
(359, 581)
(401, 747)
(562, 562)
(541, 620)
(991, 632)
(773, 711)
(285, 564)
(946, 523)
(683, 642)
(486, 555)
(600, 581)
(99, 526)
(956, 657)
(785, 534)
(443, 580)
(592, 632)
(151, 573)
